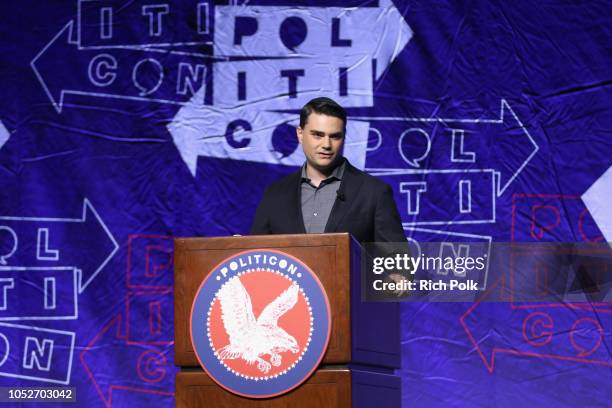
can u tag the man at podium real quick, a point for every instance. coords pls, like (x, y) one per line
(328, 194)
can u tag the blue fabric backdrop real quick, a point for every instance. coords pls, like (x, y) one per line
(123, 126)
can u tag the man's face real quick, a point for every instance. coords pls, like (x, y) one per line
(322, 138)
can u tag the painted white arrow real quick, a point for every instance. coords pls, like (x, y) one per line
(117, 81)
(4, 134)
(248, 134)
(507, 117)
(597, 200)
(84, 237)
(245, 90)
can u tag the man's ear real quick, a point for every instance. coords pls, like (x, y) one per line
(300, 133)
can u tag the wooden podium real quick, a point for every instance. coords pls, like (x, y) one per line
(364, 346)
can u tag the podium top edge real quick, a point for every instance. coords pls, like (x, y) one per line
(260, 241)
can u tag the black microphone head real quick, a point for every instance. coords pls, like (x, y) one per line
(340, 195)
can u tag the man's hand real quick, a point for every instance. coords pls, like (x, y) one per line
(398, 278)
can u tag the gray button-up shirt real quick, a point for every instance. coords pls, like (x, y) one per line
(317, 202)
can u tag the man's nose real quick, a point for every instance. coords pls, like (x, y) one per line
(326, 143)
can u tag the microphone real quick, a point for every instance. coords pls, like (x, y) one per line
(340, 195)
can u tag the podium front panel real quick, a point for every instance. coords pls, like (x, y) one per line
(325, 254)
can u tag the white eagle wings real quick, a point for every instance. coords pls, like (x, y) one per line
(251, 338)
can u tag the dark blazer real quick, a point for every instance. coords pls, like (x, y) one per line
(364, 207)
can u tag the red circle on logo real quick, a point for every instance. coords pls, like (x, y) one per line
(293, 328)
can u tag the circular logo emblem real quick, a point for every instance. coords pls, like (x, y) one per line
(260, 323)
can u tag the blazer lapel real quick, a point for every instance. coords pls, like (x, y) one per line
(294, 200)
(351, 182)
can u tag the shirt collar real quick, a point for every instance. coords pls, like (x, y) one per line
(337, 173)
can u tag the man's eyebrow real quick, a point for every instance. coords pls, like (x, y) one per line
(321, 133)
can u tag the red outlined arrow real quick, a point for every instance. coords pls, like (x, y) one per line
(569, 332)
(145, 369)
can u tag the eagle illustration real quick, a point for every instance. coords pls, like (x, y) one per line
(251, 339)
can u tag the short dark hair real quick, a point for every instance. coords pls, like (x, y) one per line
(323, 106)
